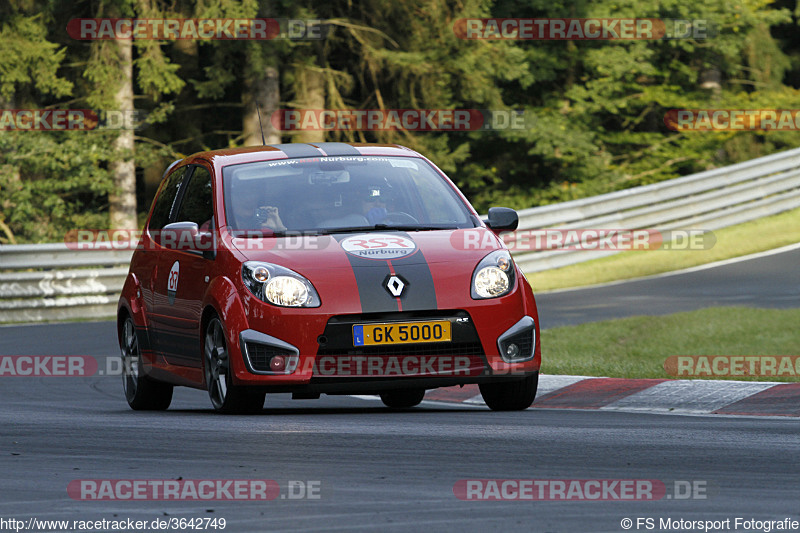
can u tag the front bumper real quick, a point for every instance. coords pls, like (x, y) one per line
(326, 360)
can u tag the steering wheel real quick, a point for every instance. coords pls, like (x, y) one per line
(400, 217)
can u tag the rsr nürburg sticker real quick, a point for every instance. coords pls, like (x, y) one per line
(379, 246)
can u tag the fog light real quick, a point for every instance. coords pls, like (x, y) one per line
(277, 363)
(512, 350)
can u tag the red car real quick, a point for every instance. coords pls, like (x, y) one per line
(323, 268)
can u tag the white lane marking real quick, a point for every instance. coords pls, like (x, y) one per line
(443, 403)
(679, 397)
(787, 248)
(688, 396)
(548, 384)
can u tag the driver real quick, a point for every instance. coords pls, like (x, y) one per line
(249, 215)
(373, 204)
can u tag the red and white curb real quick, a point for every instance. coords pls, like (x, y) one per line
(649, 395)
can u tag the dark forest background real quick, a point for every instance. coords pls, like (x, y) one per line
(595, 108)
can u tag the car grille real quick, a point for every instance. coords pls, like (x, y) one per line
(338, 341)
(422, 349)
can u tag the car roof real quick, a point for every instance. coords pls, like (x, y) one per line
(231, 156)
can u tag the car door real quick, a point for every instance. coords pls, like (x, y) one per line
(149, 258)
(182, 274)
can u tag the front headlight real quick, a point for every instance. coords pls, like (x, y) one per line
(494, 276)
(278, 285)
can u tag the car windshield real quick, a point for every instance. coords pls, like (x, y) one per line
(340, 194)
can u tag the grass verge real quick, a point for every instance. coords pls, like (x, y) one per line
(743, 239)
(637, 347)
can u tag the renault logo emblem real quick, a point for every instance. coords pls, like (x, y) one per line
(395, 286)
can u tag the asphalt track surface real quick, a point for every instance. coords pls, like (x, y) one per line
(395, 471)
(767, 281)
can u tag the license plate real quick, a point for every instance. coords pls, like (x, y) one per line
(401, 333)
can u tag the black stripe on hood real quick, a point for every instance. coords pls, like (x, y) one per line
(371, 276)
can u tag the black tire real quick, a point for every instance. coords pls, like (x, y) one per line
(225, 396)
(142, 392)
(403, 399)
(510, 395)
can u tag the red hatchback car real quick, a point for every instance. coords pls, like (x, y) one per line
(323, 268)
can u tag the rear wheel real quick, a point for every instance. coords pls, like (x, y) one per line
(142, 392)
(225, 396)
(402, 399)
(510, 395)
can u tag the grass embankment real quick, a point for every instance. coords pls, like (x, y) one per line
(637, 347)
(751, 237)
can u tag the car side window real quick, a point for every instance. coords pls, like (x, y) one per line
(197, 203)
(165, 200)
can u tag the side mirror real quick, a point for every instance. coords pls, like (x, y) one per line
(188, 237)
(502, 219)
(179, 235)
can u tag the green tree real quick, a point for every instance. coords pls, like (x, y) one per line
(598, 106)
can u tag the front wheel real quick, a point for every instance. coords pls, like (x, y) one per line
(225, 396)
(402, 399)
(510, 395)
(142, 392)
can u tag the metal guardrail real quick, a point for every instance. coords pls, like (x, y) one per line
(708, 200)
(53, 285)
(41, 282)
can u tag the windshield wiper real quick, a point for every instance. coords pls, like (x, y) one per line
(409, 227)
(381, 227)
(352, 229)
(256, 233)
(259, 234)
